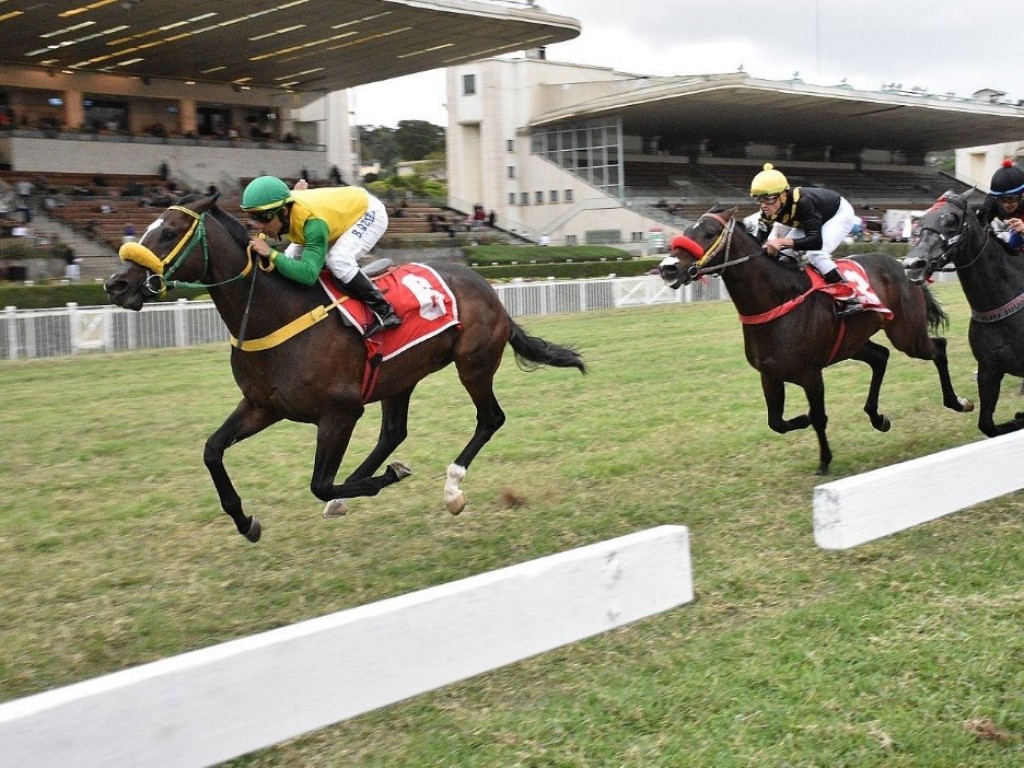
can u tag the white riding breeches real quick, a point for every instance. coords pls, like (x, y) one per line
(344, 254)
(833, 233)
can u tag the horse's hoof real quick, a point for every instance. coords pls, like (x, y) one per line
(883, 424)
(456, 504)
(821, 471)
(967, 405)
(255, 531)
(335, 508)
(401, 470)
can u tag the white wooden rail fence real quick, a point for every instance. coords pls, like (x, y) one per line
(214, 704)
(73, 329)
(858, 509)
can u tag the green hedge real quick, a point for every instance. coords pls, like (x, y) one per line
(45, 295)
(490, 255)
(574, 271)
(17, 248)
(896, 250)
(495, 262)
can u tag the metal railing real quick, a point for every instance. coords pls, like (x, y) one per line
(73, 329)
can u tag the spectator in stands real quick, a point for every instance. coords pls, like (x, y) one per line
(809, 219)
(1004, 207)
(129, 233)
(328, 226)
(25, 189)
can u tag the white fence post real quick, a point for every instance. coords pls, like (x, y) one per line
(185, 710)
(181, 322)
(874, 504)
(11, 318)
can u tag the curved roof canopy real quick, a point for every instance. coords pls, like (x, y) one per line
(738, 108)
(296, 45)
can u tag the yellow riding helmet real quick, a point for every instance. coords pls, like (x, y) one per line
(768, 182)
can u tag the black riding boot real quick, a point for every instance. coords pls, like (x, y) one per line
(844, 307)
(362, 288)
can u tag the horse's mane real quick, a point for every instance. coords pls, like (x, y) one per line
(234, 227)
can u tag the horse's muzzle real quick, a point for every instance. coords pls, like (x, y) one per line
(124, 292)
(916, 268)
(672, 273)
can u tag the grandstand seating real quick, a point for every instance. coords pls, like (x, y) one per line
(689, 188)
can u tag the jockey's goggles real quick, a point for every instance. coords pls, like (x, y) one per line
(767, 199)
(264, 217)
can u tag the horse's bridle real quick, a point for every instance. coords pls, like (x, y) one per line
(721, 243)
(950, 242)
(157, 282)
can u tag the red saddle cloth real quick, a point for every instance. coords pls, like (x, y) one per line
(857, 284)
(420, 297)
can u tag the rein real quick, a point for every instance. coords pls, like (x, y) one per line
(161, 269)
(952, 241)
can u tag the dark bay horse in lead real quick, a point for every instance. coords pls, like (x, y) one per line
(291, 364)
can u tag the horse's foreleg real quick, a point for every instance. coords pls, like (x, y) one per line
(775, 400)
(393, 431)
(814, 388)
(332, 439)
(950, 399)
(394, 428)
(245, 421)
(877, 358)
(989, 383)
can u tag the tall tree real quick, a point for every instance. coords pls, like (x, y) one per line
(417, 138)
(377, 142)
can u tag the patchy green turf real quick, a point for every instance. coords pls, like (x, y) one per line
(907, 651)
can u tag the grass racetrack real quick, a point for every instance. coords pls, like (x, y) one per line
(907, 651)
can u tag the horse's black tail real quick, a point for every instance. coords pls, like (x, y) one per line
(938, 320)
(533, 352)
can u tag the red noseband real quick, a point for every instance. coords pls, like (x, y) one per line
(688, 244)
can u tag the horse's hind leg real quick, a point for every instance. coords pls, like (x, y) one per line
(877, 357)
(489, 419)
(245, 421)
(916, 343)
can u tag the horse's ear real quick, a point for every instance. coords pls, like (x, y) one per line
(987, 211)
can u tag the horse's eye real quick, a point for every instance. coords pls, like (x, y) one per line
(167, 235)
(947, 220)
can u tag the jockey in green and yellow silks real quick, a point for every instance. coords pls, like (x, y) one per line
(328, 226)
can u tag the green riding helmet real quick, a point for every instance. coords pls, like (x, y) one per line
(264, 193)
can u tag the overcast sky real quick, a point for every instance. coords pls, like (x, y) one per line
(941, 46)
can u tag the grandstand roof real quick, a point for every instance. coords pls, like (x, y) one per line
(305, 45)
(739, 108)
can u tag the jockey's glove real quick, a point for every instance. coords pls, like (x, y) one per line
(267, 262)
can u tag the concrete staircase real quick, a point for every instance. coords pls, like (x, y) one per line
(98, 261)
